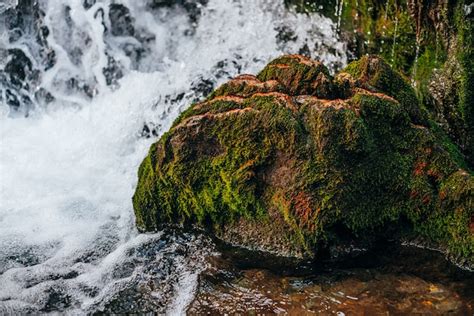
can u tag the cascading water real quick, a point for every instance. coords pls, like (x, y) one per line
(338, 13)
(84, 85)
(394, 44)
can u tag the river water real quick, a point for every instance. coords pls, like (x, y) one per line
(85, 88)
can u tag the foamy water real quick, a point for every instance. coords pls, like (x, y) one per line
(68, 169)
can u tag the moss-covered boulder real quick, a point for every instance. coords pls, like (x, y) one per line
(430, 42)
(296, 162)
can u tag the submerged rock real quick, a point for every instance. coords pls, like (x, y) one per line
(393, 280)
(298, 163)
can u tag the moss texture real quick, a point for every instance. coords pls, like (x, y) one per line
(385, 28)
(296, 162)
(429, 42)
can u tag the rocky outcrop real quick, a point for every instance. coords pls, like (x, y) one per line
(296, 162)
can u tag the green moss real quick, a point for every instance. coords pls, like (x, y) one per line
(298, 75)
(416, 40)
(334, 171)
(375, 74)
(465, 56)
(144, 198)
(374, 27)
(451, 219)
(448, 145)
(218, 187)
(431, 58)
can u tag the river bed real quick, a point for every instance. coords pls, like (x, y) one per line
(395, 280)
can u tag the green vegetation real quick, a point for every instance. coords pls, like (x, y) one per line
(429, 42)
(295, 162)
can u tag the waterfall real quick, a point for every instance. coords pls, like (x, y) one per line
(338, 13)
(415, 63)
(394, 40)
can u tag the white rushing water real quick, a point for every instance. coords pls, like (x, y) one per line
(68, 168)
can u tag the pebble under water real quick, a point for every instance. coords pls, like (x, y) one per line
(85, 88)
(391, 280)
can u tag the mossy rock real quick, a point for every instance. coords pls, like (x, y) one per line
(374, 74)
(297, 163)
(451, 88)
(430, 42)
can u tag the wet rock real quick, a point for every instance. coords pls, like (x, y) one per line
(87, 4)
(113, 72)
(12, 99)
(192, 7)
(296, 163)
(27, 19)
(299, 76)
(202, 88)
(446, 82)
(373, 74)
(150, 129)
(156, 268)
(57, 301)
(120, 20)
(18, 66)
(428, 41)
(21, 73)
(390, 284)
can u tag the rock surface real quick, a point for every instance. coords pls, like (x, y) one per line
(431, 42)
(298, 163)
